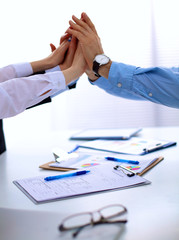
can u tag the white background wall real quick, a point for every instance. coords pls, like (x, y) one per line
(138, 32)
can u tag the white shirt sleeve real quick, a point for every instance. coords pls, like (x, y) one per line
(15, 71)
(18, 91)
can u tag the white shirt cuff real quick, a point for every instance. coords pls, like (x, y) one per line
(57, 80)
(57, 68)
(23, 69)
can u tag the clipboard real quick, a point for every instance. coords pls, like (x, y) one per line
(140, 171)
(40, 191)
(62, 169)
(133, 146)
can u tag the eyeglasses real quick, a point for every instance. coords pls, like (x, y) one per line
(108, 214)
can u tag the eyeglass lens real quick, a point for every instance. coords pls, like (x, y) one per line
(77, 221)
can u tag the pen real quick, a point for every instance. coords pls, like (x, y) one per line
(158, 146)
(66, 175)
(121, 160)
(74, 149)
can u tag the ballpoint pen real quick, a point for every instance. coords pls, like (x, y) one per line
(74, 149)
(66, 175)
(121, 160)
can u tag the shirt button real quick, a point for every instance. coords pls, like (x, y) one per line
(119, 84)
(150, 94)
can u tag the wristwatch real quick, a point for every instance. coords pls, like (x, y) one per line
(98, 61)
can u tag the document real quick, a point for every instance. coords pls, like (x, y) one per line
(134, 146)
(143, 166)
(100, 178)
(145, 163)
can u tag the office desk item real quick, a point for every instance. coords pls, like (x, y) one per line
(135, 164)
(118, 168)
(100, 178)
(71, 164)
(133, 146)
(55, 166)
(63, 161)
(62, 155)
(2, 138)
(71, 174)
(144, 165)
(110, 134)
(83, 161)
(105, 215)
(121, 160)
(154, 207)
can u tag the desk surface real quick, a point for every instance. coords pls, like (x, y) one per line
(153, 210)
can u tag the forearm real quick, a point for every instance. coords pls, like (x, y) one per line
(71, 74)
(41, 65)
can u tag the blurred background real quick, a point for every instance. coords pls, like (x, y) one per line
(139, 32)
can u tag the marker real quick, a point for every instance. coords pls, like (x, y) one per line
(66, 175)
(121, 160)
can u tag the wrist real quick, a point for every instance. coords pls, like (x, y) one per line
(91, 75)
(104, 69)
(101, 65)
(71, 74)
(41, 65)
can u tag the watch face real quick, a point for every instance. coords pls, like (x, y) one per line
(102, 59)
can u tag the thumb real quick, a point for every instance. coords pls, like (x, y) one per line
(53, 48)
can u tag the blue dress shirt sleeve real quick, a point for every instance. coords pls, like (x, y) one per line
(157, 84)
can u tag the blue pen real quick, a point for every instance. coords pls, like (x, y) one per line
(121, 160)
(74, 149)
(66, 175)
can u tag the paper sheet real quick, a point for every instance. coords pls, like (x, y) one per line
(100, 178)
(134, 146)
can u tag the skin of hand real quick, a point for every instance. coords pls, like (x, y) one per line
(77, 68)
(55, 58)
(89, 72)
(85, 31)
(68, 59)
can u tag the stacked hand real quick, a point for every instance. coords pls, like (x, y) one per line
(82, 32)
(76, 51)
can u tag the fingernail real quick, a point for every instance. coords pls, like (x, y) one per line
(69, 39)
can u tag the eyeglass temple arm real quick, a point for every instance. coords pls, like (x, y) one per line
(97, 223)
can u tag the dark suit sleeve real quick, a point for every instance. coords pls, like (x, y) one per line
(72, 86)
(2, 139)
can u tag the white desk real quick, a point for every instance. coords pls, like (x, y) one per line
(153, 210)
